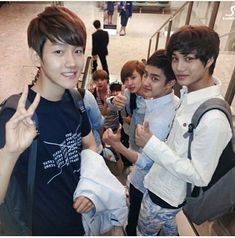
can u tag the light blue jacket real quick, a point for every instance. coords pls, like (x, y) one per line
(95, 117)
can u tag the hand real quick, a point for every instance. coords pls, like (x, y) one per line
(20, 129)
(83, 204)
(94, 57)
(120, 100)
(112, 139)
(142, 134)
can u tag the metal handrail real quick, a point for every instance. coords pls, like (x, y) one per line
(85, 73)
(176, 13)
(227, 34)
(169, 20)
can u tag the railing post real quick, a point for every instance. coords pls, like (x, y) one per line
(150, 43)
(85, 73)
(214, 14)
(231, 89)
(157, 40)
(189, 12)
(168, 31)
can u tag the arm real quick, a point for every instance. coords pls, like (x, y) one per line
(88, 142)
(114, 141)
(95, 117)
(200, 169)
(20, 132)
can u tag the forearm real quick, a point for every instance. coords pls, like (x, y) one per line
(7, 163)
(131, 155)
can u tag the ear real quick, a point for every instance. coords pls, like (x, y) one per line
(209, 62)
(35, 57)
(171, 83)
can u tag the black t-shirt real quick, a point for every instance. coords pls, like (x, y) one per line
(58, 166)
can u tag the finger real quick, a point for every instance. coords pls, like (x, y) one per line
(22, 100)
(34, 105)
(137, 129)
(146, 126)
(13, 122)
(123, 89)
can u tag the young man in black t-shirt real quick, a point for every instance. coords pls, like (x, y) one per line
(57, 39)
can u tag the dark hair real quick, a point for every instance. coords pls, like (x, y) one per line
(160, 60)
(96, 24)
(115, 86)
(56, 23)
(201, 41)
(129, 67)
(100, 74)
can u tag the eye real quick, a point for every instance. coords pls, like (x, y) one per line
(58, 52)
(174, 59)
(79, 51)
(189, 58)
(154, 78)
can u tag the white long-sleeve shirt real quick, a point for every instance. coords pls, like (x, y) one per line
(172, 169)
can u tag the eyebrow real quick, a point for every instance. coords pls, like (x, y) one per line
(150, 74)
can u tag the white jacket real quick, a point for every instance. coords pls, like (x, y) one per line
(108, 195)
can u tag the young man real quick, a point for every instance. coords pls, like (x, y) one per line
(193, 51)
(100, 41)
(57, 39)
(158, 82)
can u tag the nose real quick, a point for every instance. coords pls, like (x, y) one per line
(70, 60)
(180, 65)
(128, 82)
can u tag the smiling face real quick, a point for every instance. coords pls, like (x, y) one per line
(61, 65)
(190, 71)
(134, 83)
(155, 84)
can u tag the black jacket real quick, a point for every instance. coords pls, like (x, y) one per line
(100, 40)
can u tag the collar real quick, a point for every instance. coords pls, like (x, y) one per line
(202, 94)
(152, 104)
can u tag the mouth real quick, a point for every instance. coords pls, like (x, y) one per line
(70, 75)
(181, 77)
(131, 89)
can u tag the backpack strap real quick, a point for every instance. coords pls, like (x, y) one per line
(210, 104)
(82, 92)
(78, 100)
(133, 104)
(12, 103)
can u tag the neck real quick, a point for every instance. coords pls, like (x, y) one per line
(47, 93)
(203, 83)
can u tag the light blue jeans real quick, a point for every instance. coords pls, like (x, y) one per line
(153, 218)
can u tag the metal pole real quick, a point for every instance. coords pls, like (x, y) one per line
(189, 13)
(231, 89)
(214, 14)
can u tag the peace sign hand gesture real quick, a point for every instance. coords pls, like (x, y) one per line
(20, 129)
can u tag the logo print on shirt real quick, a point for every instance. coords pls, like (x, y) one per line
(66, 154)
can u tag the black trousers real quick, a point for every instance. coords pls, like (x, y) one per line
(135, 197)
(103, 63)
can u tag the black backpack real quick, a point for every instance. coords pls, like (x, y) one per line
(218, 198)
(15, 212)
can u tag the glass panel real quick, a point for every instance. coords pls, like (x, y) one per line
(179, 19)
(224, 24)
(201, 13)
